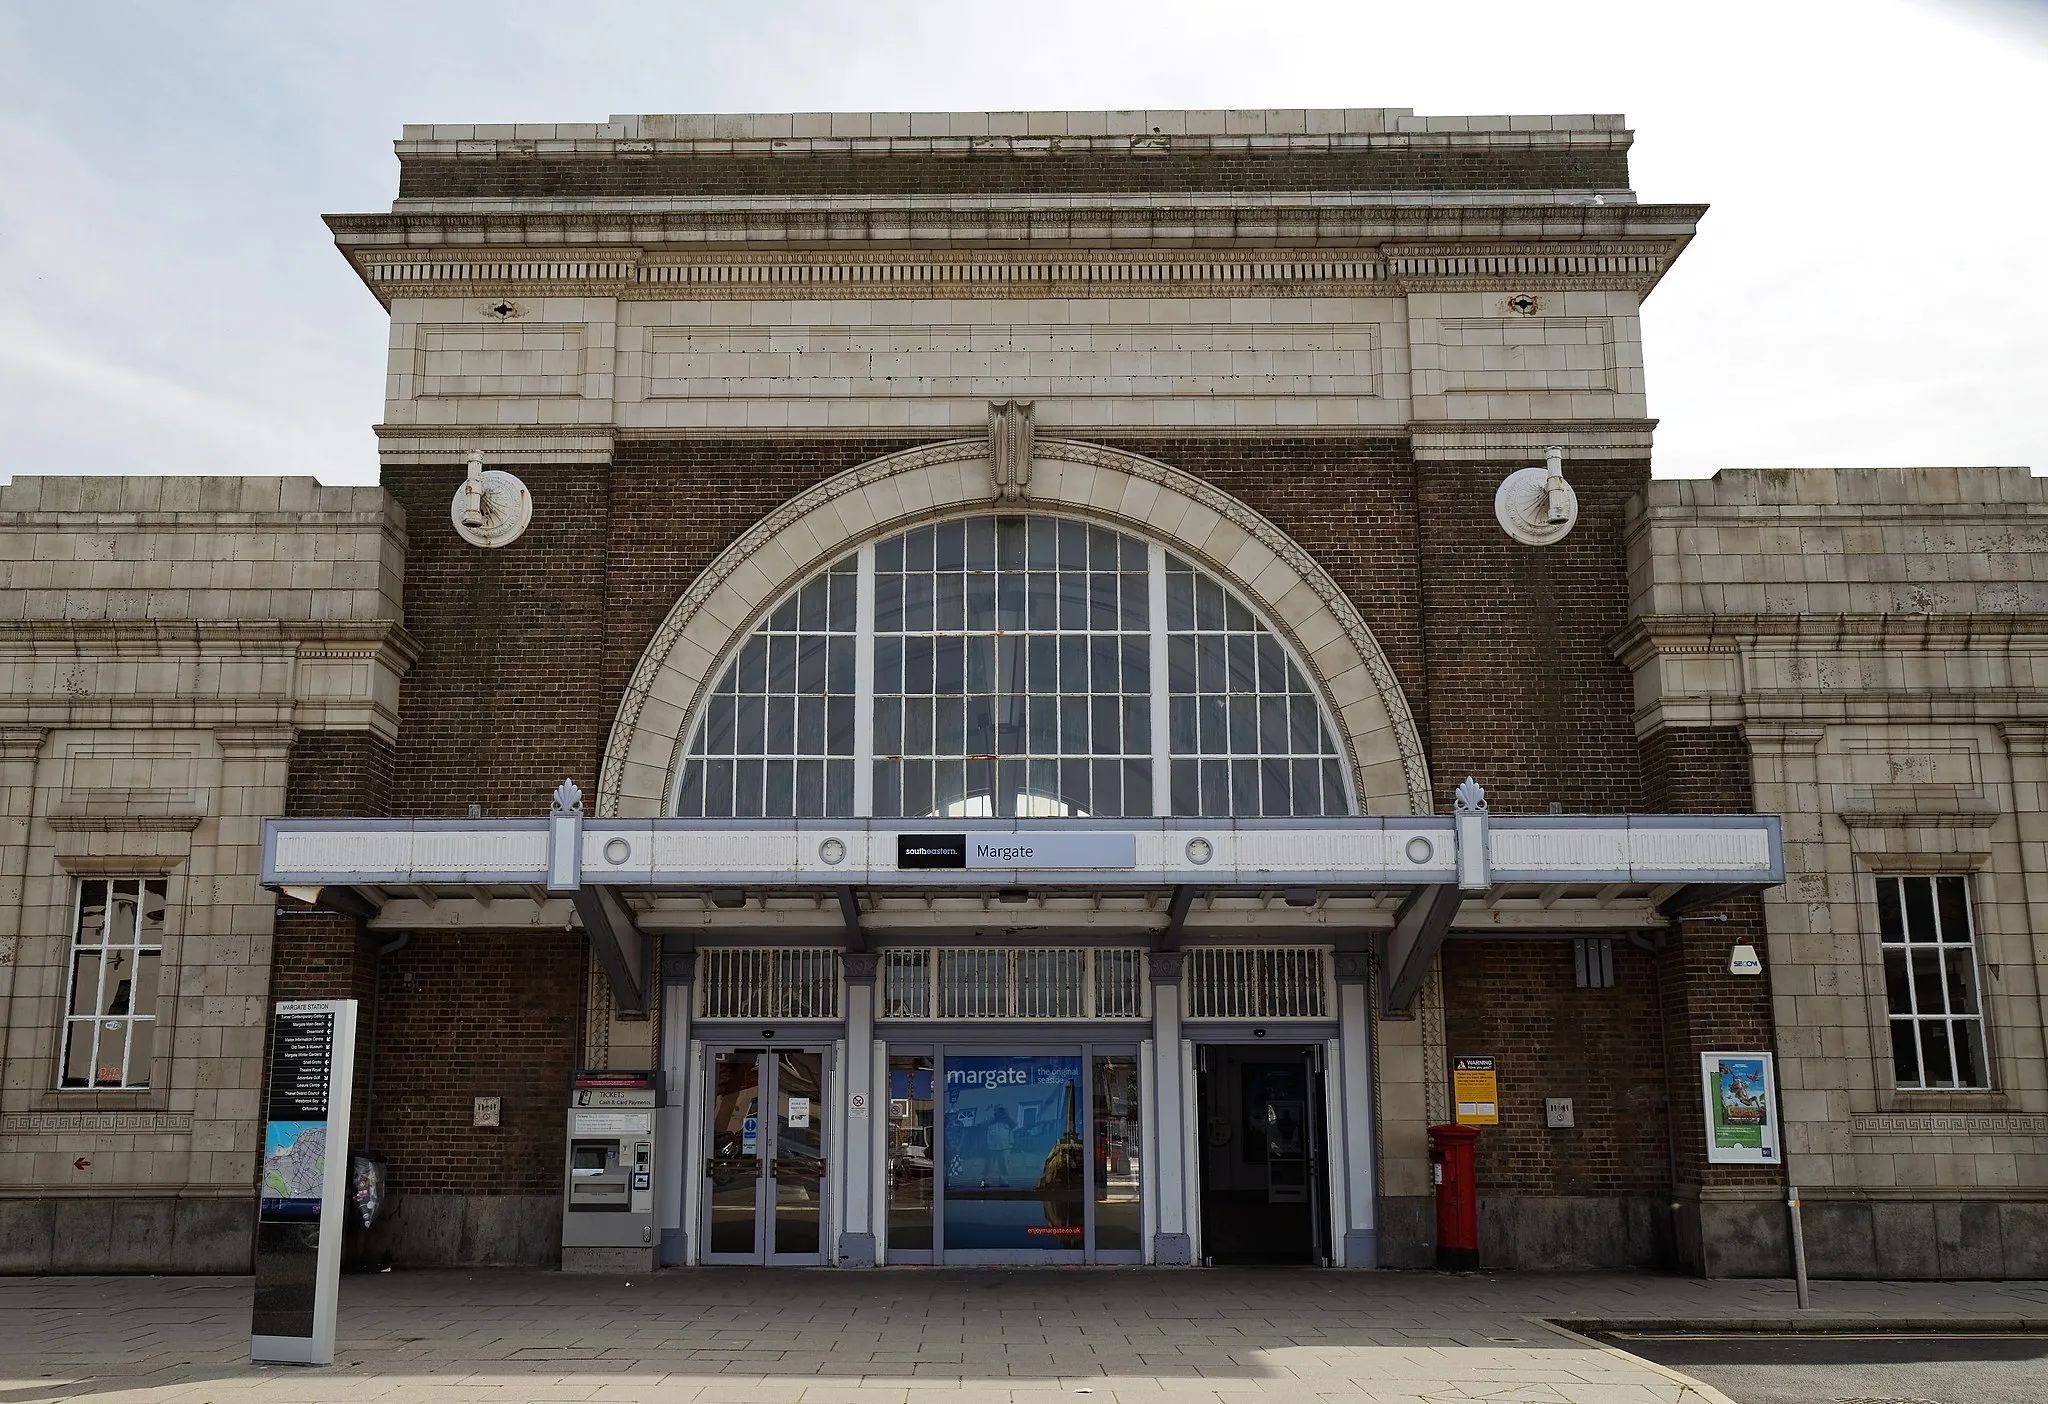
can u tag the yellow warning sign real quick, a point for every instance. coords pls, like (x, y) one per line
(1476, 1091)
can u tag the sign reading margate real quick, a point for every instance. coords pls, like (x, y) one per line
(300, 1203)
(1014, 1175)
(1016, 852)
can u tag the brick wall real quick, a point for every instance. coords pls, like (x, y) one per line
(1517, 1001)
(1386, 168)
(1523, 692)
(464, 1015)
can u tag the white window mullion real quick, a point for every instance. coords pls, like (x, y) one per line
(864, 684)
(1155, 613)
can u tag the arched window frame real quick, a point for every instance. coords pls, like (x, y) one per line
(1333, 774)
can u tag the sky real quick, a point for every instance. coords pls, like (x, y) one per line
(1860, 292)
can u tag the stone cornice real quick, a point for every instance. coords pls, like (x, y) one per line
(1648, 635)
(311, 638)
(769, 249)
(1024, 147)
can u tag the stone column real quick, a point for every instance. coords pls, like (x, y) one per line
(1173, 1241)
(1359, 1247)
(857, 1156)
(2026, 745)
(678, 976)
(19, 748)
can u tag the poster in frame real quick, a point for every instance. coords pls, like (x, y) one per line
(1740, 1096)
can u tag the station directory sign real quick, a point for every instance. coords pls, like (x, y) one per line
(301, 1204)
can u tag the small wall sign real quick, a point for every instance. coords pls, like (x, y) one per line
(1557, 1113)
(1743, 961)
(1476, 1091)
(484, 1111)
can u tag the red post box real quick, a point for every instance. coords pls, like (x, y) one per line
(1457, 1196)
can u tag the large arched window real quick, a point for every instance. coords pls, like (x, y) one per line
(1011, 666)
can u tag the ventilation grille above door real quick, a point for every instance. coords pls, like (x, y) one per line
(1258, 982)
(984, 982)
(758, 983)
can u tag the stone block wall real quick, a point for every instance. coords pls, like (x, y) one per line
(163, 644)
(1867, 646)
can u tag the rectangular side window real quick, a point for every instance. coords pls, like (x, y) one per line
(1930, 981)
(117, 942)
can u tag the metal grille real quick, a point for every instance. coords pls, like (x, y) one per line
(1119, 984)
(983, 982)
(907, 985)
(758, 983)
(1258, 982)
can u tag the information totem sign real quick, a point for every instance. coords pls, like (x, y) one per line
(301, 1203)
(1741, 1093)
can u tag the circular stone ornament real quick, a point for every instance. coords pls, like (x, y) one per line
(1420, 849)
(833, 851)
(1522, 507)
(1200, 851)
(491, 508)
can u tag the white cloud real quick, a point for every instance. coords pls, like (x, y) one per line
(1856, 294)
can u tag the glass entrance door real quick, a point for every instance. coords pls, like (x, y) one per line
(766, 1174)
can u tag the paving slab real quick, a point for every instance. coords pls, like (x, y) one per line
(922, 1336)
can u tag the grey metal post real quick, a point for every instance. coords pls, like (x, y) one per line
(1798, 1247)
(857, 1075)
(1359, 1246)
(678, 976)
(1173, 1243)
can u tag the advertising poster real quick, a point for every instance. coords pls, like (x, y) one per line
(1015, 1167)
(1741, 1095)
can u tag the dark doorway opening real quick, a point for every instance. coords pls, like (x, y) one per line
(1261, 1134)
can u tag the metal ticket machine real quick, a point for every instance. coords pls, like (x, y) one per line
(608, 1219)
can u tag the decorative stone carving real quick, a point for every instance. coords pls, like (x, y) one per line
(567, 799)
(1009, 448)
(1471, 797)
(859, 967)
(1536, 506)
(491, 508)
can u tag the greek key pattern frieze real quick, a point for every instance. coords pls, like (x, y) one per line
(134, 1122)
(1948, 1124)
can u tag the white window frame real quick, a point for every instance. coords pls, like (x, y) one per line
(1915, 1017)
(1161, 751)
(136, 1066)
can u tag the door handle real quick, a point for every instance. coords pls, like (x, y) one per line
(732, 1165)
(801, 1167)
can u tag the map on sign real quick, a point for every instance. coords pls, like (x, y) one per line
(294, 1169)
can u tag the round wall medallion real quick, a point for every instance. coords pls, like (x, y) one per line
(832, 850)
(1522, 507)
(1420, 849)
(1199, 851)
(491, 508)
(617, 851)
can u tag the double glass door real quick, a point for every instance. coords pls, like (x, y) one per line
(767, 1169)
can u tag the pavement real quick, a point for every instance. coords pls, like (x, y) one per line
(939, 1336)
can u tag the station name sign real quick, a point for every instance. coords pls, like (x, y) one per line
(1016, 852)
